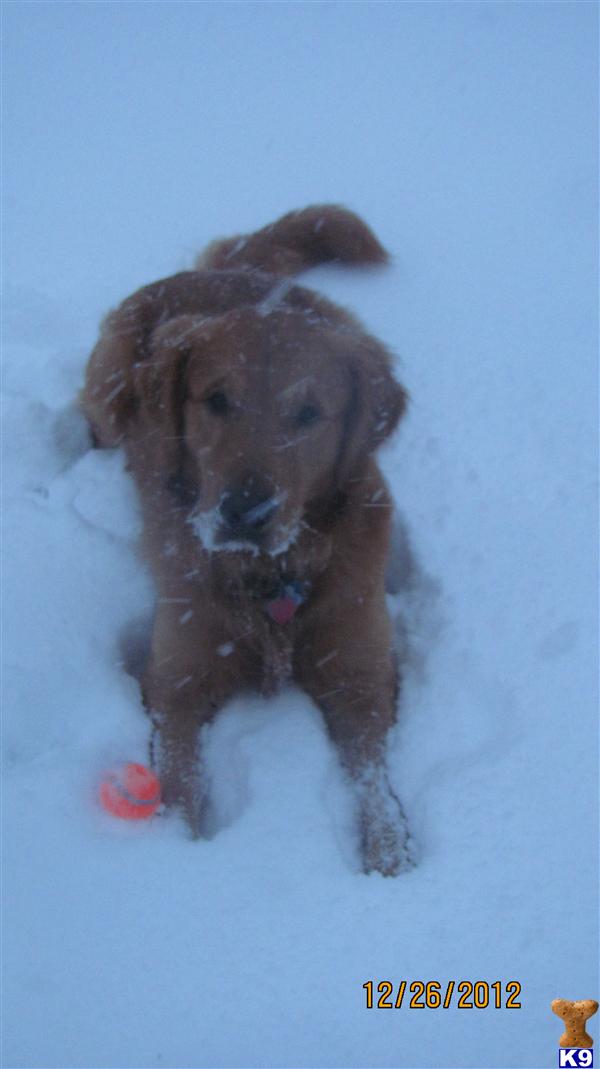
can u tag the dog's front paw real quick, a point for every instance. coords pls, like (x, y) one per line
(387, 848)
(182, 785)
(186, 798)
(386, 845)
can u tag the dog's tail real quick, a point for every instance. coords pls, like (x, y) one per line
(323, 233)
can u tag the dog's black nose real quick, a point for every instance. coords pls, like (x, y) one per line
(247, 509)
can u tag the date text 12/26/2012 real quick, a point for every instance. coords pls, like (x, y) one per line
(434, 995)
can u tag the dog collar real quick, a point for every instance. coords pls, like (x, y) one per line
(283, 608)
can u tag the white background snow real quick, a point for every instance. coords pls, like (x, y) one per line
(465, 134)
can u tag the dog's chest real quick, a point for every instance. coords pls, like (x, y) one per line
(261, 603)
(271, 631)
(277, 660)
(265, 650)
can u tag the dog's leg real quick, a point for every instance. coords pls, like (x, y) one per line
(384, 836)
(356, 689)
(179, 709)
(184, 685)
(359, 730)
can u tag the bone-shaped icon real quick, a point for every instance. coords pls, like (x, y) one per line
(575, 1014)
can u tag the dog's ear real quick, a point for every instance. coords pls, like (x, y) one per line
(127, 365)
(377, 403)
(107, 398)
(158, 381)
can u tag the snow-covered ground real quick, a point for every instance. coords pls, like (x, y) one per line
(465, 134)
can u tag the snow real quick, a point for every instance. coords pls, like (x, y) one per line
(464, 134)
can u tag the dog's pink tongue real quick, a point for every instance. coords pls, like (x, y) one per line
(282, 610)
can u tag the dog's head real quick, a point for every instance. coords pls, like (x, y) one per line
(259, 418)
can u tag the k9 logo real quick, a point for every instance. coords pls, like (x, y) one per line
(582, 1057)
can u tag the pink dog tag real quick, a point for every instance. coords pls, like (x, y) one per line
(282, 610)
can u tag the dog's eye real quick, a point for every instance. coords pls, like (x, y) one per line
(217, 403)
(307, 415)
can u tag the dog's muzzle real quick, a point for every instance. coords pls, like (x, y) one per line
(246, 511)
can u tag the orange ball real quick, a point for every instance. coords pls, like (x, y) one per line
(131, 792)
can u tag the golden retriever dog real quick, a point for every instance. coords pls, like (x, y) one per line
(250, 410)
